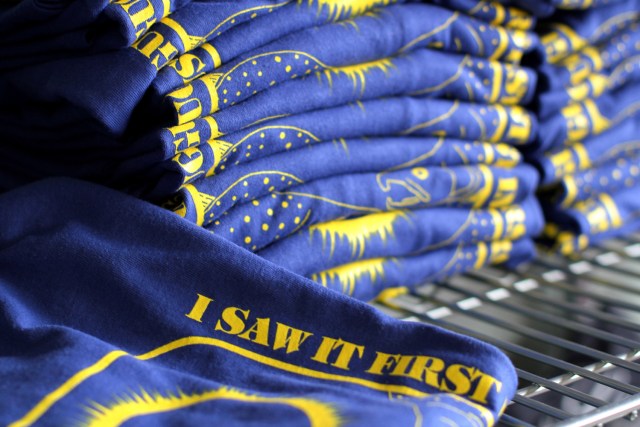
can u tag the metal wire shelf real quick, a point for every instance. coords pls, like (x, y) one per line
(571, 327)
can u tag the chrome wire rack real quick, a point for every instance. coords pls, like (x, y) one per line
(571, 327)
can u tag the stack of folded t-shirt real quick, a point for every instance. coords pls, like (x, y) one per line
(588, 108)
(365, 153)
(363, 144)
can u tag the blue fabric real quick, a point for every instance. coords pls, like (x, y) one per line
(113, 305)
(269, 208)
(620, 140)
(105, 88)
(494, 12)
(588, 118)
(450, 76)
(401, 233)
(378, 35)
(607, 178)
(200, 148)
(574, 69)
(597, 218)
(439, 28)
(34, 31)
(568, 32)
(365, 279)
(348, 156)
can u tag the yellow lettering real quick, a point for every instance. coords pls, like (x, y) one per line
(199, 308)
(153, 46)
(383, 362)
(188, 67)
(519, 124)
(231, 318)
(428, 368)
(506, 191)
(260, 331)
(141, 14)
(289, 337)
(187, 107)
(184, 136)
(485, 383)
(345, 354)
(457, 378)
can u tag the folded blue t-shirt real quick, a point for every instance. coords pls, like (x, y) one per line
(581, 120)
(577, 67)
(496, 12)
(200, 148)
(597, 218)
(450, 76)
(366, 279)
(608, 178)
(398, 233)
(617, 141)
(569, 31)
(437, 28)
(377, 35)
(256, 221)
(87, 275)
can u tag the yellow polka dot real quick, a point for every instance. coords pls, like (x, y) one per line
(283, 135)
(287, 68)
(248, 84)
(253, 15)
(254, 62)
(234, 198)
(238, 93)
(299, 205)
(244, 74)
(217, 223)
(282, 178)
(247, 240)
(245, 183)
(296, 56)
(285, 204)
(297, 220)
(271, 189)
(231, 230)
(225, 91)
(287, 145)
(246, 195)
(277, 59)
(273, 82)
(265, 227)
(299, 135)
(248, 154)
(262, 135)
(281, 226)
(218, 203)
(256, 203)
(247, 219)
(225, 101)
(228, 78)
(265, 181)
(270, 212)
(259, 73)
(261, 146)
(306, 62)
